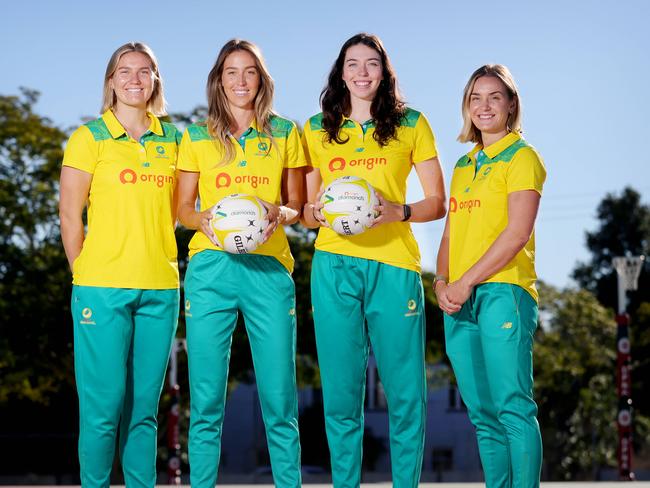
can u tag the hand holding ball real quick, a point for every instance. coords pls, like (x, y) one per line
(238, 222)
(349, 205)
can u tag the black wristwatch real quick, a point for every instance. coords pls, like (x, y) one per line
(407, 212)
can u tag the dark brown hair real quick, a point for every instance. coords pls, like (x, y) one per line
(387, 109)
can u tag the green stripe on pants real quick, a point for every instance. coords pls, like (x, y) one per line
(122, 340)
(348, 293)
(217, 286)
(490, 345)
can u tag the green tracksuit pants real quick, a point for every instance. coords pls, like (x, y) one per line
(490, 345)
(218, 286)
(357, 303)
(122, 341)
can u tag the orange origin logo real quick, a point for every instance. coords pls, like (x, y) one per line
(468, 205)
(338, 164)
(128, 176)
(223, 180)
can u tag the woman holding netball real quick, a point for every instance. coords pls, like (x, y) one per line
(125, 276)
(366, 288)
(242, 147)
(485, 281)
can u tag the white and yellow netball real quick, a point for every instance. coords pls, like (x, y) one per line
(238, 222)
(349, 205)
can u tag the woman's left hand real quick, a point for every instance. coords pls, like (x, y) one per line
(388, 211)
(458, 292)
(275, 217)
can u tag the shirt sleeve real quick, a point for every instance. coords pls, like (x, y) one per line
(425, 142)
(308, 145)
(526, 172)
(294, 151)
(187, 160)
(81, 151)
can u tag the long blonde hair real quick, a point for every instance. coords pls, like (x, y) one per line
(469, 132)
(156, 104)
(220, 119)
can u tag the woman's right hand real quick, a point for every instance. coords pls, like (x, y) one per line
(206, 228)
(440, 289)
(316, 209)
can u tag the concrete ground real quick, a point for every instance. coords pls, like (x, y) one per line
(576, 484)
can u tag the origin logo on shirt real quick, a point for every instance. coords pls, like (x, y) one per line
(224, 180)
(468, 205)
(128, 176)
(339, 164)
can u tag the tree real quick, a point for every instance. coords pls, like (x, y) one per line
(574, 360)
(36, 332)
(36, 362)
(624, 229)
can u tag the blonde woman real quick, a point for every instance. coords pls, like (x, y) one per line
(125, 276)
(242, 147)
(485, 281)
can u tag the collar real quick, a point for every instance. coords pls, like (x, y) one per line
(117, 130)
(493, 150)
(252, 131)
(348, 123)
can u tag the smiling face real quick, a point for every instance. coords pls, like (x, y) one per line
(240, 79)
(490, 105)
(133, 80)
(362, 71)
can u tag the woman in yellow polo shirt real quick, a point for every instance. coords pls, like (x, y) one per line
(125, 276)
(242, 147)
(366, 288)
(485, 280)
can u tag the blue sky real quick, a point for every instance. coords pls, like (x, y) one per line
(582, 68)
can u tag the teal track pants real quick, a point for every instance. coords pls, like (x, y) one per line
(358, 302)
(122, 341)
(490, 345)
(217, 286)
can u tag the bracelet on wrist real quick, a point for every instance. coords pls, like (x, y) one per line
(438, 278)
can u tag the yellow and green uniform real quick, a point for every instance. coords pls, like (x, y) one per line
(220, 285)
(490, 340)
(130, 241)
(366, 289)
(385, 168)
(256, 170)
(125, 296)
(478, 207)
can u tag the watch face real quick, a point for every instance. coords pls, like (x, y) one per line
(407, 212)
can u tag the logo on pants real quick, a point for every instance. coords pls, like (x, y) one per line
(87, 315)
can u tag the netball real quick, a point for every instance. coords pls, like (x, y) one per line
(238, 222)
(349, 205)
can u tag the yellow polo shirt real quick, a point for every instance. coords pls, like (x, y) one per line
(478, 207)
(385, 168)
(256, 170)
(130, 239)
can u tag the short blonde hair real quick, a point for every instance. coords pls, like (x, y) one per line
(470, 133)
(220, 119)
(156, 103)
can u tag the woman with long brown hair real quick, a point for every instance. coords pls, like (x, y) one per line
(242, 147)
(366, 288)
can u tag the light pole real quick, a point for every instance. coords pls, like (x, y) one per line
(628, 270)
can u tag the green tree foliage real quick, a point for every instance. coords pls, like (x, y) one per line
(35, 327)
(575, 389)
(624, 229)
